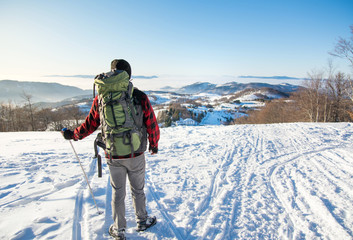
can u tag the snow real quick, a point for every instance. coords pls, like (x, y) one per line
(279, 181)
(186, 122)
(160, 98)
(217, 117)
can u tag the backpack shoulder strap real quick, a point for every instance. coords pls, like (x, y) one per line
(132, 107)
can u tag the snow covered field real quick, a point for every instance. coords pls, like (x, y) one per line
(280, 181)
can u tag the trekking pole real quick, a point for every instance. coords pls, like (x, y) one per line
(84, 173)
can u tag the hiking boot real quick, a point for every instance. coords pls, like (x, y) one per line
(118, 234)
(143, 225)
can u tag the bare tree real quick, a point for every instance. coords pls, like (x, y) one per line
(75, 113)
(29, 105)
(44, 118)
(349, 89)
(327, 103)
(311, 97)
(30, 118)
(337, 87)
(6, 117)
(344, 48)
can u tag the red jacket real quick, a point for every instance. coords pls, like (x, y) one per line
(92, 121)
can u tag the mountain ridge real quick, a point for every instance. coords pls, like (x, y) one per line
(13, 90)
(45, 92)
(233, 87)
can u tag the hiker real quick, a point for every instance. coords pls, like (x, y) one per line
(125, 141)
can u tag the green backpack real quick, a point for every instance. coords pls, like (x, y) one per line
(121, 124)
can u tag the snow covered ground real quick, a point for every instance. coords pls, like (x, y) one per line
(280, 181)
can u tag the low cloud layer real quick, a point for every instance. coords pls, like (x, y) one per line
(144, 77)
(272, 77)
(93, 76)
(71, 76)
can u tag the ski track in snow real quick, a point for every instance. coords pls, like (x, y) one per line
(280, 181)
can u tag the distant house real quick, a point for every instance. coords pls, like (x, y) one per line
(186, 122)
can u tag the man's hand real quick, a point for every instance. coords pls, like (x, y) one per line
(67, 133)
(153, 150)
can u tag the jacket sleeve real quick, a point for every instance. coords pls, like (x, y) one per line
(91, 123)
(150, 121)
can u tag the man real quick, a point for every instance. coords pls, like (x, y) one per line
(131, 165)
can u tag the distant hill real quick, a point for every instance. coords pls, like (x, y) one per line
(233, 87)
(40, 91)
(56, 95)
(198, 104)
(197, 88)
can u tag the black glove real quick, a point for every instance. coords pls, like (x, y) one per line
(67, 133)
(153, 150)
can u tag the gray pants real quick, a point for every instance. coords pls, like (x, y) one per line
(134, 168)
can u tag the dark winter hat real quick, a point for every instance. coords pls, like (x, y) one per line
(121, 64)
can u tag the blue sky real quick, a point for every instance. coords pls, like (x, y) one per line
(177, 42)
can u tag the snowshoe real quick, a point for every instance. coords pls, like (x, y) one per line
(143, 225)
(117, 234)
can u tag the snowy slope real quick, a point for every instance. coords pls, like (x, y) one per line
(280, 181)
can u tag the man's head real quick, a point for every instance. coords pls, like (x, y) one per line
(121, 64)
